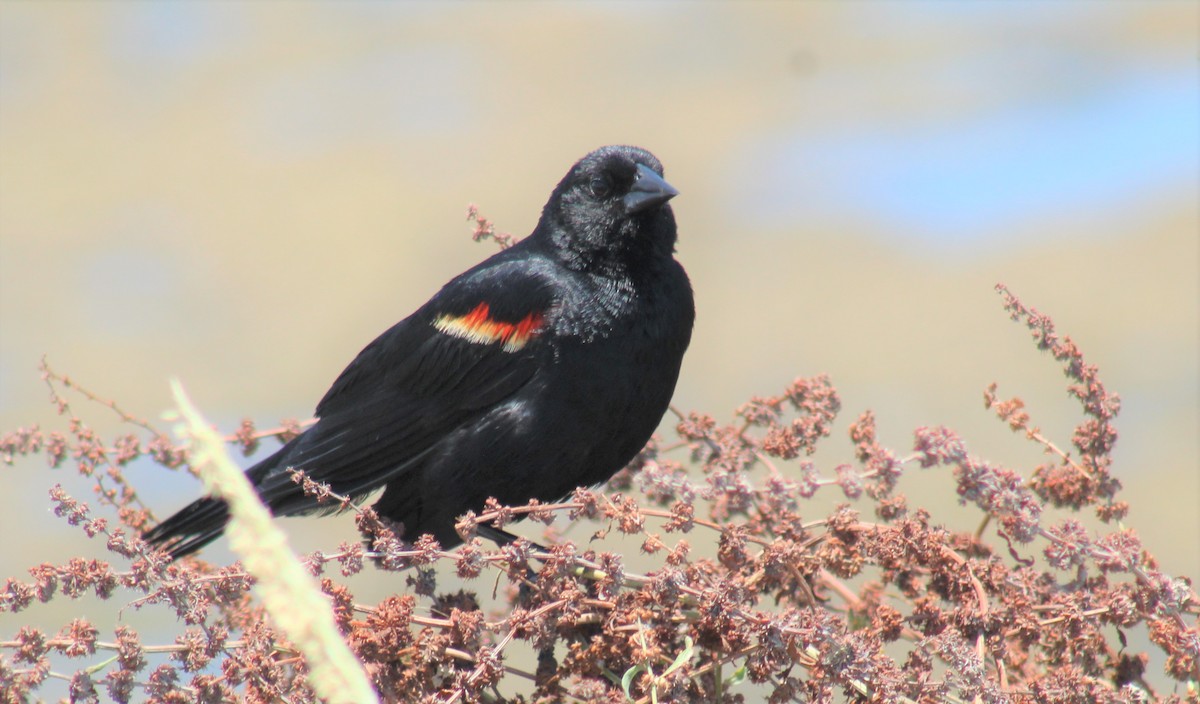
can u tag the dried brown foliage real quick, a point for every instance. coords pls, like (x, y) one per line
(877, 601)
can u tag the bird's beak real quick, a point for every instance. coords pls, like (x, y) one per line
(649, 191)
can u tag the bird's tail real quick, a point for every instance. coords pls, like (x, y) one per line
(194, 526)
(204, 520)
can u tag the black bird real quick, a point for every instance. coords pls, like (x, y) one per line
(543, 368)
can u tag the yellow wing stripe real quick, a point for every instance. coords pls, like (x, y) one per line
(477, 326)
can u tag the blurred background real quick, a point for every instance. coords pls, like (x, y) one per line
(244, 194)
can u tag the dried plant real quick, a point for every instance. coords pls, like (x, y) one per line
(877, 601)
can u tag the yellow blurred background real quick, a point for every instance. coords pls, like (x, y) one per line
(244, 194)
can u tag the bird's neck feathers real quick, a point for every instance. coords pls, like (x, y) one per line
(631, 247)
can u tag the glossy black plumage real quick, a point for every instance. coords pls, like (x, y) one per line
(543, 368)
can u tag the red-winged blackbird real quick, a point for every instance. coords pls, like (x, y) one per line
(543, 368)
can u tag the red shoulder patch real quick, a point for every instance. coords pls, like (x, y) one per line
(478, 326)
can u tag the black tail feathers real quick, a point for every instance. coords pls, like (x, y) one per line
(196, 525)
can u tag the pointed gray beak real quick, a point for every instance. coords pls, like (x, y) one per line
(649, 191)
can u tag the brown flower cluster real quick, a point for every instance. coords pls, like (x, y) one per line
(749, 598)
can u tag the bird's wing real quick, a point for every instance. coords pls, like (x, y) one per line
(476, 343)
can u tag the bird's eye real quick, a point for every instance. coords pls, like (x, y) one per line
(599, 187)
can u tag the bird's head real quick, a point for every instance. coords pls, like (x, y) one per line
(612, 203)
